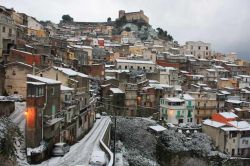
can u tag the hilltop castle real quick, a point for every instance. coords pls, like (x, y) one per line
(134, 16)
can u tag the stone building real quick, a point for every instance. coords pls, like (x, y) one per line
(134, 16)
(199, 49)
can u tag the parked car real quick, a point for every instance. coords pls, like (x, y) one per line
(97, 116)
(60, 149)
(97, 158)
(171, 126)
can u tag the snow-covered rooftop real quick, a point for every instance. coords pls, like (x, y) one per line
(234, 101)
(213, 123)
(134, 61)
(35, 83)
(187, 97)
(240, 124)
(116, 90)
(157, 128)
(174, 99)
(71, 72)
(228, 115)
(43, 79)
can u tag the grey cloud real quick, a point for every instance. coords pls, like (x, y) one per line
(224, 23)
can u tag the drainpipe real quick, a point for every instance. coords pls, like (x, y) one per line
(45, 103)
(33, 68)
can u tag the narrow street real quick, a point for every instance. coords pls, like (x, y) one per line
(80, 152)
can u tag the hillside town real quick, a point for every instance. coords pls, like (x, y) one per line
(68, 75)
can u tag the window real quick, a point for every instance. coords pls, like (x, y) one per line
(192, 48)
(120, 67)
(131, 67)
(138, 67)
(53, 111)
(199, 47)
(206, 47)
(3, 29)
(126, 67)
(10, 31)
(150, 68)
(144, 67)
(53, 91)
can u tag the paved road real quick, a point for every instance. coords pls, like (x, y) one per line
(80, 152)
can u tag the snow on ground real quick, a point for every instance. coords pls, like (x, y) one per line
(80, 152)
(18, 118)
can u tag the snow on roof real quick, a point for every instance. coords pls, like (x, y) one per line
(234, 101)
(70, 72)
(218, 67)
(200, 84)
(109, 77)
(157, 128)
(53, 121)
(224, 79)
(238, 109)
(160, 86)
(84, 47)
(245, 90)
(228, 115)
(232, 65)
(21, 63)
(134, 61)
(153, 81)
(43, 79)
(65, 88)
(240, 124)
(116, 71)
(35, 83)
(174, 99)
(184, 72)
(213, 123)
(116, 90)
(225, 92)
(22, 51)
(187, 97)
(211, 70)
(244, 76)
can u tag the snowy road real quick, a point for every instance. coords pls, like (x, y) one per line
(80, 152)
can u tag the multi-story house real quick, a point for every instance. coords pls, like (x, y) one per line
(169, 75)
(206, 105)
(177, 110)
(125, 64)
(228, 134)
(199, 49)
(7, 33)
(69, 109)
(16, 74)
(35, 28)
(80, 82)
(146, 102)
(43, 116)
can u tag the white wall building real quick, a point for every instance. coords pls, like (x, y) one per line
(177, 110)
(125, 64)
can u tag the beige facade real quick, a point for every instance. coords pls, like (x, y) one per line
(16, 77)
(199, 49)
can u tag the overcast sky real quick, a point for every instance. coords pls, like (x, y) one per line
(223, 23)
